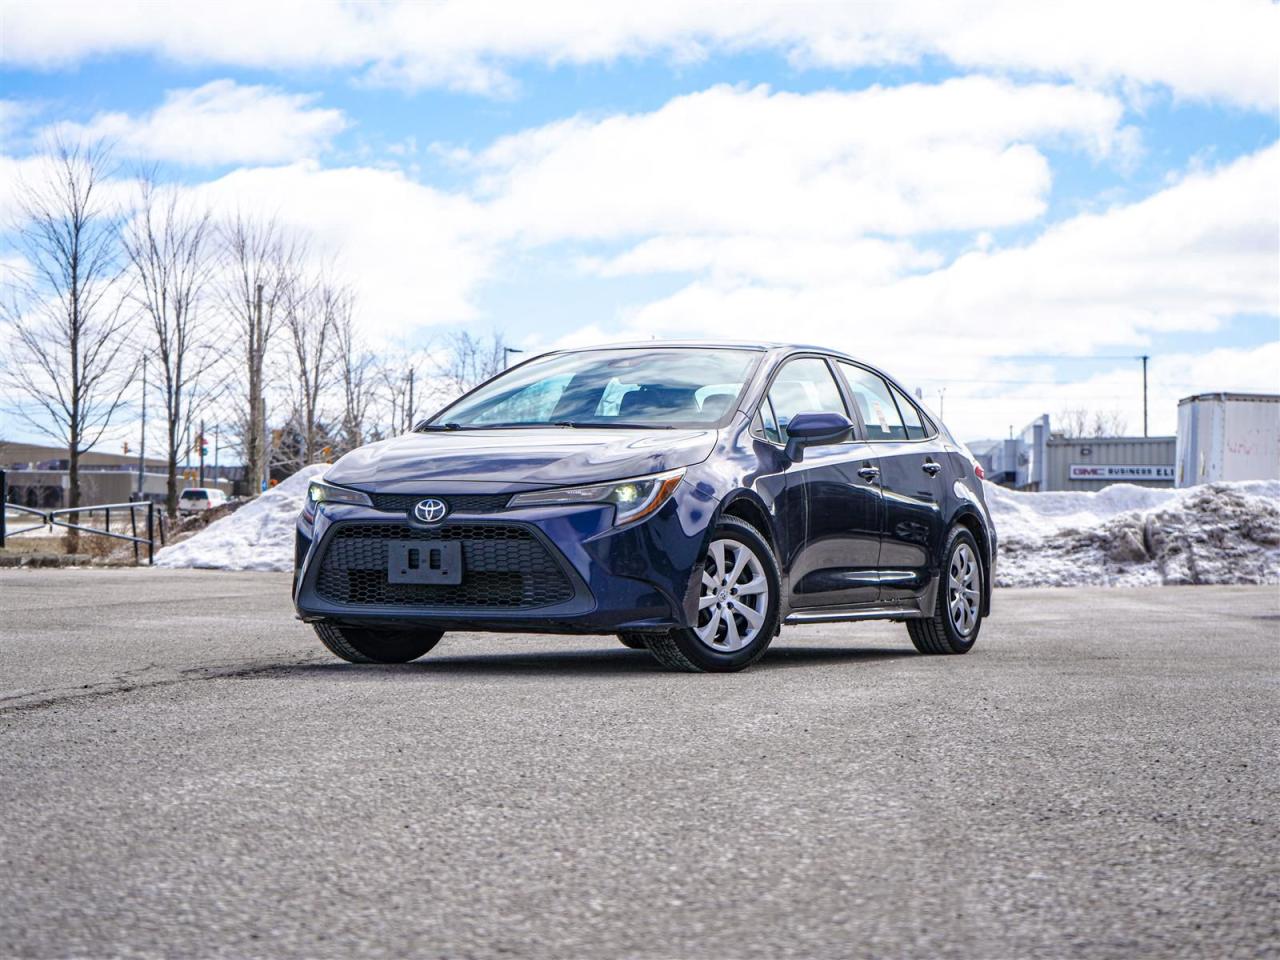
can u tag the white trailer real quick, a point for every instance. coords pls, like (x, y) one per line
(1228, 436)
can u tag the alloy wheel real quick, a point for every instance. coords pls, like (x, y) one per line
(734, 599)
(962, 590)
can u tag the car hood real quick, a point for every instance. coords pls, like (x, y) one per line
(503, 460)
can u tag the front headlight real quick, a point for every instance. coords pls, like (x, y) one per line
(320, 492)
(634, 499)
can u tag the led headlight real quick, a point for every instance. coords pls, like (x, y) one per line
(320, 492)
(634, 499)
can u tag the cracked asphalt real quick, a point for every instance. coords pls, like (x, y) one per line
(184, 772)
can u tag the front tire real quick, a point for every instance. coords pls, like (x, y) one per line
(737, 606)
(361, 645)
(957, 611)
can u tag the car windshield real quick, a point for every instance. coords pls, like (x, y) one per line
(662, 387)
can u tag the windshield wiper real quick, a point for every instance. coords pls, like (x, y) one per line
(612, 424)
(441, 426)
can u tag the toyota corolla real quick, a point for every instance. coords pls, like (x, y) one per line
(689, 498)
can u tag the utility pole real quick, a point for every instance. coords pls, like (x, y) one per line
(265, 479)
(942, 404)
(142, 447)
(408, 410)
(257, 402)
(215, 451)
(1145, 358)
(200, 440)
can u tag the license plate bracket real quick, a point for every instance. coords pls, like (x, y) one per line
(424, 561)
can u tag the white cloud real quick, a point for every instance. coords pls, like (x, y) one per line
(1184, 259)
(409, 250)
(1223, 51)
(219, 123)
(958, 155)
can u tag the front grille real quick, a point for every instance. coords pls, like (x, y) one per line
(504, 567)
(457, 502)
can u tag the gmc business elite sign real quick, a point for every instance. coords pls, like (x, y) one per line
(1093, 471)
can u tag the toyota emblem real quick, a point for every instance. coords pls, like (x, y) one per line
(430, 511)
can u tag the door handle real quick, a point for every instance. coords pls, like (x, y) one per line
(931, 468)
(868, 473)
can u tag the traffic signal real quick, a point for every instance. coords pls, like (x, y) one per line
(126, 448)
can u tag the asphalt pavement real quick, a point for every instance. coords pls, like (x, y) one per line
(185, 772)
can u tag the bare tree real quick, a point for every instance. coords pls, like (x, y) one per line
(1109, 423)
(65, 313)
(168, 250)
(1077, 422)
(260, 265)
(396, 382)
(355, 371)
(467, 360)
(310, 314)
(1072, 422)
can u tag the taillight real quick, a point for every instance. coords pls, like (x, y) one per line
(979, 472)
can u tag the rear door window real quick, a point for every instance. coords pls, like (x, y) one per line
(875, 403)
(916, 430)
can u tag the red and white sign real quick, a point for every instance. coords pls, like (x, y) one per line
(1093, 471)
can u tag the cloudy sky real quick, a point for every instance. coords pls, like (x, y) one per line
(1006, 201)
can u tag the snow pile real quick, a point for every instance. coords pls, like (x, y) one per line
(258, 536)
(1121, 535)
(1125, 535)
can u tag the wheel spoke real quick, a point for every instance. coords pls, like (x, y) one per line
(752, 587)
(717, 558)
(753, 617)
(739, 565)
(732, 638)
(709, 582)
(707, 633)
(706, 600)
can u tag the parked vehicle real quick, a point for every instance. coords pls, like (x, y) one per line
(197, 499)
(691, 498)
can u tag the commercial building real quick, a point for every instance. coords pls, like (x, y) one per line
(1039, 459)
(1221, 436)
(1228, 436)
(37, 476)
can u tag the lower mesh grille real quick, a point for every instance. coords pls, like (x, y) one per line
(504, 567)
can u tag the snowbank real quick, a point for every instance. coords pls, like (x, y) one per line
(1125, 535)
(1120, 536)
(258, 536)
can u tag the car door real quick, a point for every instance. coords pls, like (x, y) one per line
(838, 558)
(911, 479)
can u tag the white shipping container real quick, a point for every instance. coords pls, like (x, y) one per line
(1228, 436)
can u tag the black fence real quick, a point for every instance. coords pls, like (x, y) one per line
(69, 519)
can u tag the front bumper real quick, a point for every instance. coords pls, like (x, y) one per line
(638, 577)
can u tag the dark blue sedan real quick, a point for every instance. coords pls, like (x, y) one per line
(690, 498)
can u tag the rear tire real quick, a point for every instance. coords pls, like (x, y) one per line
(957, 611)
(738, 606)
(361, 645)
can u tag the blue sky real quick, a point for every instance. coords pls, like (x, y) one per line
(961, 193)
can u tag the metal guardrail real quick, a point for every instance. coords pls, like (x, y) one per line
(50, 518)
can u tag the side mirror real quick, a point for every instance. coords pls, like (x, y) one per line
(815, 429)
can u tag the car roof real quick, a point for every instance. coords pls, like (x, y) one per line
(769, 346)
